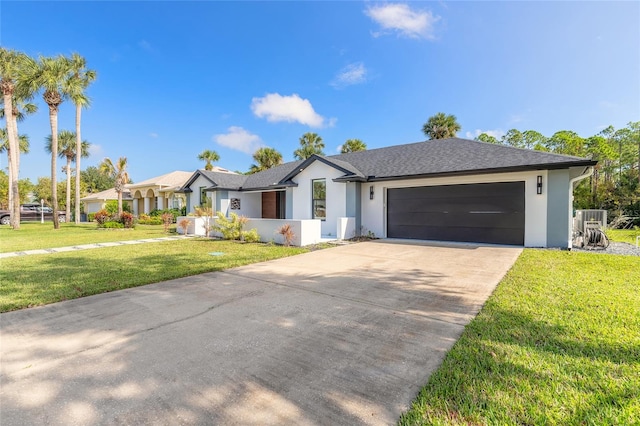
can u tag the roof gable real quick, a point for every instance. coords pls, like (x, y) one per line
(343, 166)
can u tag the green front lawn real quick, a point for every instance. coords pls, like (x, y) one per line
(623, 235)
(557, 343)
(41, 279)
(33, 236)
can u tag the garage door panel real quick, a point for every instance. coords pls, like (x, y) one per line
(491, 213)
(458, 219)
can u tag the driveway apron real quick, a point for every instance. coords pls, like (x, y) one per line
(346, 335)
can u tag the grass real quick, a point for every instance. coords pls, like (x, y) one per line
(34, 280)
(623, 235)
(32, 236)
(557, 343)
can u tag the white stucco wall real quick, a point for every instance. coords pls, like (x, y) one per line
(250, 204)
(194, 197)
(374, 211)
(336, 195)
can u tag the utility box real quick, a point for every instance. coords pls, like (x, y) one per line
(589, 218)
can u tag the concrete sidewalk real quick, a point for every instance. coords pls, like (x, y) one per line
(90, 246)
(341, 336)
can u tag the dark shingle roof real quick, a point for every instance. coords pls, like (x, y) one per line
(224, 180)
(453, 156)
(439, 157)
(272, 177)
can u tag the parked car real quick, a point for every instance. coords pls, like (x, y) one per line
(32, 213)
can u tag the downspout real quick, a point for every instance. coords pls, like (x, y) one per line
(572, 183)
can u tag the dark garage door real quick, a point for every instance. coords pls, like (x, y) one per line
(484, 213)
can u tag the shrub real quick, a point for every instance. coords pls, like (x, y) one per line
(102, 216)
(287, 234)
(184, 225)
(167, 220)
(127, 219)
(91, 217)
(230, 228)
(112, 224)
(251, 236)
(173, 212)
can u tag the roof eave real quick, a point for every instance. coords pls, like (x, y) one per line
(550, 166)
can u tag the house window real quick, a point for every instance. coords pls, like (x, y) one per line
(319, 198)
(203, 195)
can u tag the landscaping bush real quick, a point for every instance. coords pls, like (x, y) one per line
(251, 236)
(91, 217)
(102, 216)
(173, 212)
(127, 219)
(167, 220)
(232, 228)
(112, 224)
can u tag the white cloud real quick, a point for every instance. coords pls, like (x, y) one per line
(400, 18)
(355, 73)
(275, 107)
(239, 139)
(153, 135)
(95, 150)
(496, 133)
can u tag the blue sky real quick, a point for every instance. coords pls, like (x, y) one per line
(175, 78)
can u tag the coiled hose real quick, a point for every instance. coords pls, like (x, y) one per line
(594, 237)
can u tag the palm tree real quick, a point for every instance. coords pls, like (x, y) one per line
(67, 150)
(78, 81)
(353, 145)
(265, 158)
(51, 76)
(20, 109)
(14, 66)
(441, 126)
(209, 156)
(310, 144)
(117, 171)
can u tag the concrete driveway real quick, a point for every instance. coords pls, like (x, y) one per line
(346, 335)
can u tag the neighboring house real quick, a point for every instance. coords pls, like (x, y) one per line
(95, 202)
(158, 193)
(447, 190)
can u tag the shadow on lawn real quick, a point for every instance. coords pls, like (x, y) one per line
(578, 379)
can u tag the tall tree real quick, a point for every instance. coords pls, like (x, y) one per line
(67, 150)
(566, 142)
(51, 76)
(513, 138)
(76, 85)
(353, 145)
(441, 126)
(210, 157)
(534, 140)
(96, 181)
(21, 108)
(265, 158)
(310, 144)
(118, 172)
(15, 69)
(485, 137)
